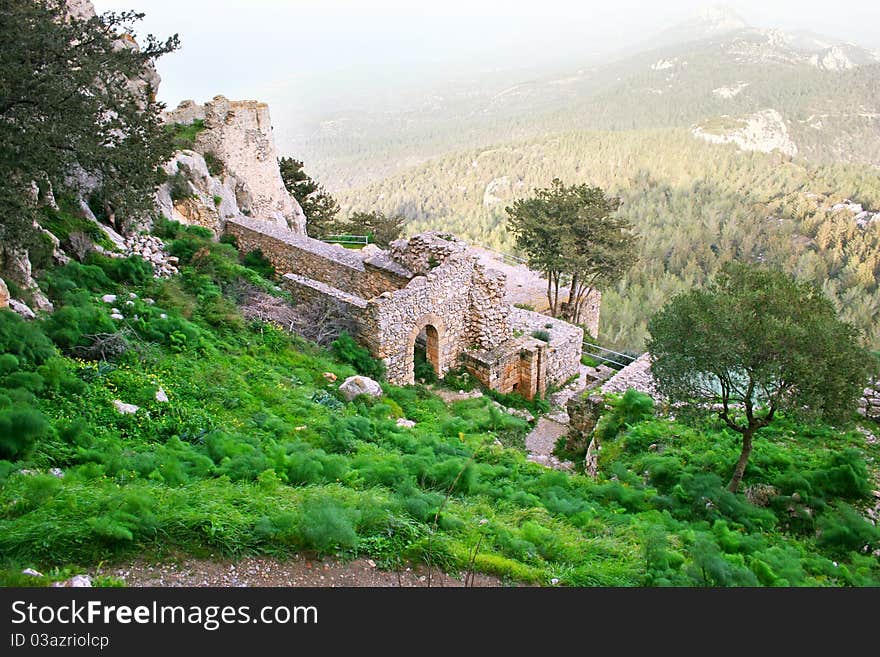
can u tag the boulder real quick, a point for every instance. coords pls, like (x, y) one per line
(406, 424)
(359, 385)
(161, 396)
(4, 294)
(76, 582)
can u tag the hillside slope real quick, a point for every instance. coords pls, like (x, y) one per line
(696, 205)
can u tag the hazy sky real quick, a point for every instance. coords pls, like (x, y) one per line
(313, 55)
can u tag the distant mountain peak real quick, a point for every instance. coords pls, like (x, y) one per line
(708, 23)
(717, 19)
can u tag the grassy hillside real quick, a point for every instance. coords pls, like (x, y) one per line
(696, 206)
(255, 452)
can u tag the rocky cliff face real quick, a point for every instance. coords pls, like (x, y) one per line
(237, 137)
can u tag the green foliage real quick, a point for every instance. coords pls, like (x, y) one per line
(760, 340)
(183, 135)
(215, 165)
(317, 204)
(541, 335)
(380, 229)
(573, 234)
(56, 108)
(627, 409)
(259, 263)
(20, 428)
(346, 350)
(180, 187)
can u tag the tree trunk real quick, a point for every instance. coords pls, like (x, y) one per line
(740, 468)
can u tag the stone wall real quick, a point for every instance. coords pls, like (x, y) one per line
(564, 348)
(636, 375)
(441, 300)
(333, 265)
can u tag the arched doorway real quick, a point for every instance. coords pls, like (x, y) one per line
(425, 353)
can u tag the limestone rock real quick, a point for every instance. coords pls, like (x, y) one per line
(4, 294)
(359, 385)
(406, 424)
(161, 396)
(31, 572)
(22, 309)
(109, 298)
(239, 135)
(76, 582)
(125, 409)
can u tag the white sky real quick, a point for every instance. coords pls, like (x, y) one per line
(311, 56)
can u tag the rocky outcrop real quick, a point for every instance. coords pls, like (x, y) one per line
(193, 196)
(152, 249)
(763, 131)
(4, 294)
(16, 264)
(238, 137)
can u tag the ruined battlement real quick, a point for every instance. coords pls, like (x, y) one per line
(430, 289)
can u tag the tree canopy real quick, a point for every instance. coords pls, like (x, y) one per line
(571, 234)
(381, 229)
(319, 207)
(74, 97)
(753, 344)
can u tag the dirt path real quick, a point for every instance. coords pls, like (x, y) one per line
(297, 571)
(541, 441)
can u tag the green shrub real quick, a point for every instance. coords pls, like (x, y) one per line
(259, 263)
(843, 530)
(327, 525)
(541, 335)
(20, 428)
(183, 136)
(180, 187)
(215, 165)
(630, 408)
(23, 340)
(347, 351)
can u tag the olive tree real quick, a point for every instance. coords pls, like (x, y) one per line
(754, 344)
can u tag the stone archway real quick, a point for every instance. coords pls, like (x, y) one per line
(433, 330)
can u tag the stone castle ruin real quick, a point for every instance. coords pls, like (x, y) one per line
(431, 289)
(430, 285)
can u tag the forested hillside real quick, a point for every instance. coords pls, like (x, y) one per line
(696, 206)
(826, 97)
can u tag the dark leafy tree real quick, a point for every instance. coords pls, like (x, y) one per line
(382, 230)
(319, 207)
(753, 344)
(74, 97)
(571, 234)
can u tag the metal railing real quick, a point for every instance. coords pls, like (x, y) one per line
(347, 239)
(590, 349)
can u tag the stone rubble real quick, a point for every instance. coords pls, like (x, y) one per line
(152, 249)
